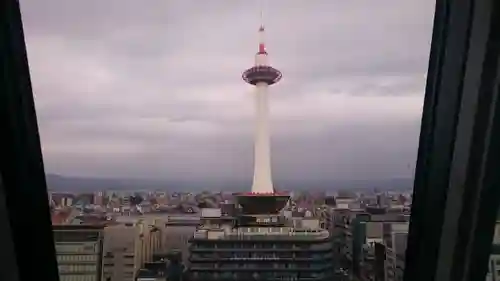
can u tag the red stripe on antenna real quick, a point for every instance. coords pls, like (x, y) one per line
(262, 48)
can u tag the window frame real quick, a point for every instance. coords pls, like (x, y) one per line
(455, 201)
(24, 208)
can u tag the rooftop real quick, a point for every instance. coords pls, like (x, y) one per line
(374, 229)
(59, 218)
(262, 203)
(261, 233)
(77, 227)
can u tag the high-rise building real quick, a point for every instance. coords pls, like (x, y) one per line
(260, 247)
(127, 247)
(79, 252)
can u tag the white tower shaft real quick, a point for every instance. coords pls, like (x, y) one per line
(262, 179)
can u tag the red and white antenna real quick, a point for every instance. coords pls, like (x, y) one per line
(262, 44)
(261, 56)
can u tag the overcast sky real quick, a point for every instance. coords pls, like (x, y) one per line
(153, 88)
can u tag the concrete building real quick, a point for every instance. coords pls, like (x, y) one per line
(79, 252)
(178, 230)
(325, 215)
(127, 247)
(266, 247)
(378, 273)
(346, 239)
(400, 266)
(99, 198)
(148, 275)
(356, 232)
(400, 239)
(153, 271)
(62, 199)
(345, 202)
(395, 238)
(367, 260)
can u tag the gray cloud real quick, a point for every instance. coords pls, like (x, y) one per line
(153, 89)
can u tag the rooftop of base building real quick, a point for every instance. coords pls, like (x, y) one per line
(304, 229)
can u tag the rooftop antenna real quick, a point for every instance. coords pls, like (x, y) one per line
(262, 13)
(262, 48)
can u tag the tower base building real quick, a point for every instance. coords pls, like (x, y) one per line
(260, 247)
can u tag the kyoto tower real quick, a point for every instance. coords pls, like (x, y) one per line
(262, 199)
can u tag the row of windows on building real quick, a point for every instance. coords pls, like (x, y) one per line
(263, 275)
(76, 258)
(291, 246)
(79, 277)
(259, 255)
(124, 255)
(78, 268)
(108, 264)
(266, 265)
(88, 248)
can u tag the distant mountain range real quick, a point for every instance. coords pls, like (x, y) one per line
(70, 183)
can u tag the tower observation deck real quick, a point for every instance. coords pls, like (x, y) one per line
(261, 72)
(263, 199)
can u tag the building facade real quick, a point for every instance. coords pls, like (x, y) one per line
(176, 234)
(264, 250)
(395, 238)
(79, 252)
(127, 247)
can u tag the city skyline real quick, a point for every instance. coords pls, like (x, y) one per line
(124, 89)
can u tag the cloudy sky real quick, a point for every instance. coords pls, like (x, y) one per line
(128, 88)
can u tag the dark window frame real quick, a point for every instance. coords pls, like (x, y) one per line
(24, 208)
(455, 202)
